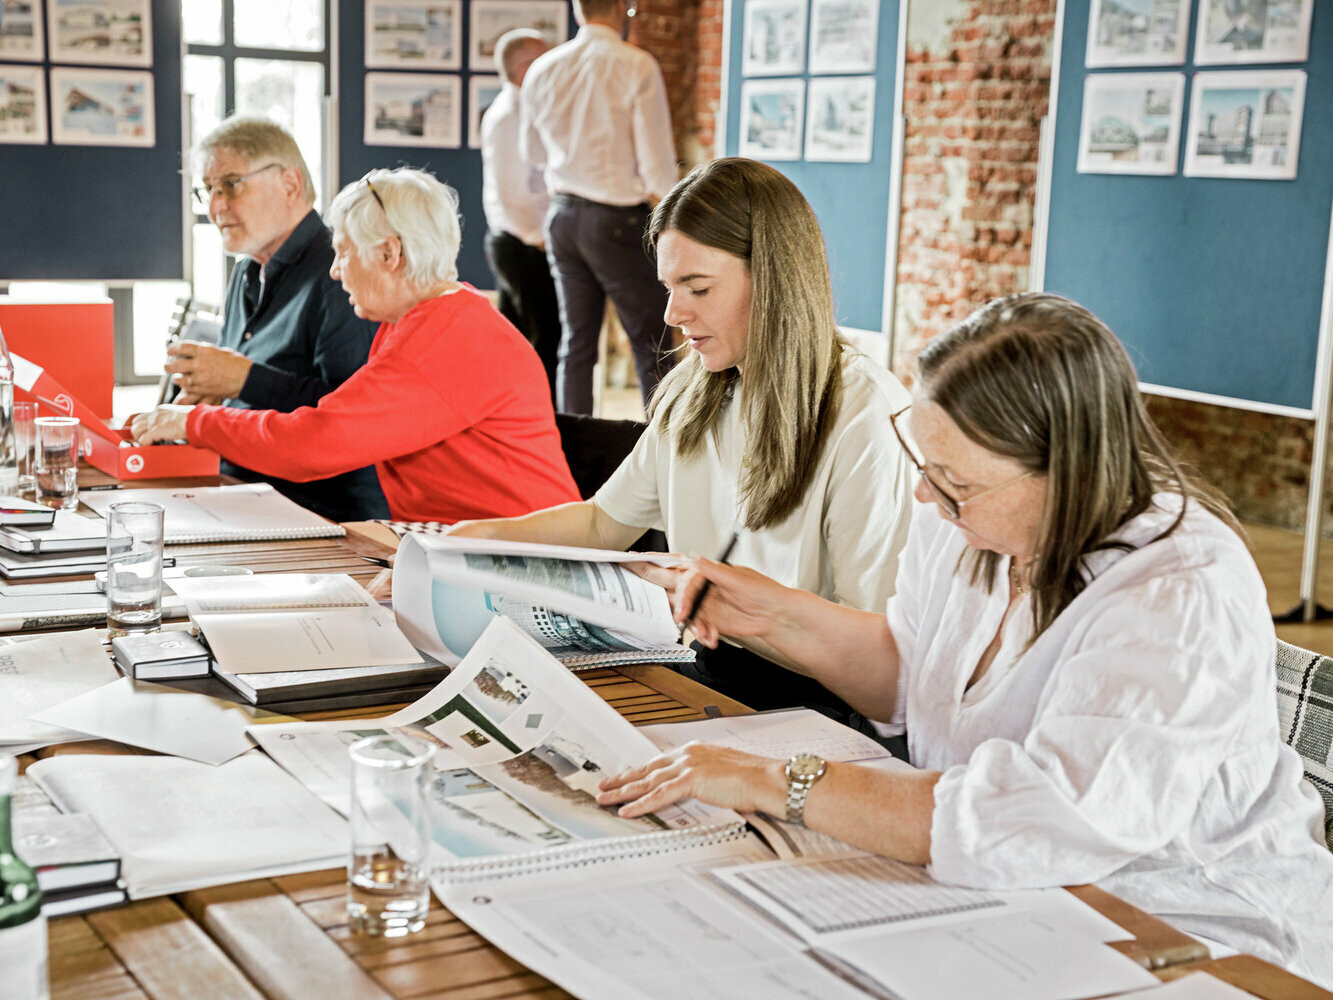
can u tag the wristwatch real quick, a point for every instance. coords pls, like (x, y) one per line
(803, 770)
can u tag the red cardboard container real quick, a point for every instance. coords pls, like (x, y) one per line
(104, 446)
(71, 340)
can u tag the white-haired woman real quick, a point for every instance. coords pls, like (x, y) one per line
(452, 408)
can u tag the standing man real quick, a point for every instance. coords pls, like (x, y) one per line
(289, 335)
(515, 199)
(595, 116)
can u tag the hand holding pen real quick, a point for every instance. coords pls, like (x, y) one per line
(697, 603)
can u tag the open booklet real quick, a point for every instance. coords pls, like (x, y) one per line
(521, 745)
(582, 605)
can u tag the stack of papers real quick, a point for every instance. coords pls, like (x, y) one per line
(40, 673)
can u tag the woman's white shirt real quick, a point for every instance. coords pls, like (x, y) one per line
(842, 543)
(1135, 744)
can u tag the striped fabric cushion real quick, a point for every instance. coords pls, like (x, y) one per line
(401, 528)
(1305, 711)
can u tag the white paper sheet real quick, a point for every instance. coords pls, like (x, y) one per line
(771, 734)
(1021, 956)
(165, 719)
(42, 673)
(181, 825)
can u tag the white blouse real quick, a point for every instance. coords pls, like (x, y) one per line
(841, 543)
(1135, 744)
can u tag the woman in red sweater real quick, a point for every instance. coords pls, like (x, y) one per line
(452, 407)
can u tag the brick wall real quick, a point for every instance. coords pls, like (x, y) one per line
(685, 36)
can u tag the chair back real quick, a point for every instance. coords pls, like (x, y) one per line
(1305, 713)
(190, 320)
(594, 449)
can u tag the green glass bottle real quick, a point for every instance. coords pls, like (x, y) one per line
(22, 926)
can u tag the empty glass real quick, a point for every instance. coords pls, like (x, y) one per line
(57, 461)
(387, 889)
(25, 443)
(133, 566)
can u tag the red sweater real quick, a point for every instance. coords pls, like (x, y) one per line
(452, 408)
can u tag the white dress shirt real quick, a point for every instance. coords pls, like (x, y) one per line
(1135, 744)
(595, 114)
(513, 193)
(829, 545)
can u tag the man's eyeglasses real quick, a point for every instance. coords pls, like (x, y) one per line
(229, 187)
(952, 507)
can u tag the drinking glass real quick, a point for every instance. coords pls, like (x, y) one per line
(58, 442)
(387, 890)
(25, 444)
(133, 567)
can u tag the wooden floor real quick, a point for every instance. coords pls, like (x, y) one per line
(1278, 553)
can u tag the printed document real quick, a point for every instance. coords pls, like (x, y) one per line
(292, 621)
(584, 612)
(41, 673)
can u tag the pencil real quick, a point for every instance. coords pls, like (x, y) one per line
(703, 591)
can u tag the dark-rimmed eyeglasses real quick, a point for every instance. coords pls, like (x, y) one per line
(951, 506)
(229, 187)
(376, 195)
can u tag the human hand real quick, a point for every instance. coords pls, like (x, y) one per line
(717, 775)
(166, 423)
(473, 529)
(205, 372)
(666, 577)
(740, 602)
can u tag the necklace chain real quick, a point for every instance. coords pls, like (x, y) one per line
(1018, 582)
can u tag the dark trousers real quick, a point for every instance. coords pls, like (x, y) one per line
(763, 685)
(527, 295)
(597, 250)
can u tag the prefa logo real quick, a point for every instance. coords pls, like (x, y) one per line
(134, 463)
(87, 446)
(63, 402)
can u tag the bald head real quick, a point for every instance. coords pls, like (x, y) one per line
(515, 51)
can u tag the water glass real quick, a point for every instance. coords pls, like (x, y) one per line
(25, 444)
(58, 441)
(387, 889)
(133, 567)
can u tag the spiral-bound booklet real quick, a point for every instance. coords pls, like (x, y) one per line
(246, 512)
(585, 607)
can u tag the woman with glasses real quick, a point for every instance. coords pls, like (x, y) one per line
(452, 407)
(771, 424)
(1081, 647)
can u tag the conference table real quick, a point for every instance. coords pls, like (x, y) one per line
(288, 937)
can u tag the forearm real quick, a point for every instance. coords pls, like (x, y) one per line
(581, 524)
(884, 812)
(850, 652)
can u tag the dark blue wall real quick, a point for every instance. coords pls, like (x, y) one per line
(1213, 285)
(459, 168)
(94, 212)
(851, 200)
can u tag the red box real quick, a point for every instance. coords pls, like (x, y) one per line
(71, 340)
(106, 447)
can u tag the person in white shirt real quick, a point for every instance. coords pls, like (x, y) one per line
(772, 424)
(1081, 647)
(595, 117)
(514, 198)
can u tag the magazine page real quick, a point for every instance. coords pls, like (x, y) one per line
(444, 599)
(523, 744)
(505, 547)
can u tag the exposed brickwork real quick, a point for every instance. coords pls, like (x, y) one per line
(974, 96)
(670, 30)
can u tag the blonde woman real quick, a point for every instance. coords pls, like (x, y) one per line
(772, 424)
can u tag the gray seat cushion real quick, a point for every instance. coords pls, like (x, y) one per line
(1305, 712)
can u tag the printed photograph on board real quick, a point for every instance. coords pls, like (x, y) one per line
(414, 34)
(1252, 31)
(21, 30)
(489, 19)
(481, 94)
(1137, 33)
(22, 105)
(771, 119)
(1131, 123)
(102, 107)
(413, 109)
(840, 119)
(774, 37)
(1245, 125)
(844, 36)
(116, 32)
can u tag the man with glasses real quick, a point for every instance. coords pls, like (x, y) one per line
(289, 334)
(595, 115)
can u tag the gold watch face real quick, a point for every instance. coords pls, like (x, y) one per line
(804, 765)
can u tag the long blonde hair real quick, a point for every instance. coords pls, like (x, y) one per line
(793, 375)
(1040, 379)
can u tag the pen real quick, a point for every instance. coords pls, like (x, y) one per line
(703, 591)
(102, 486)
